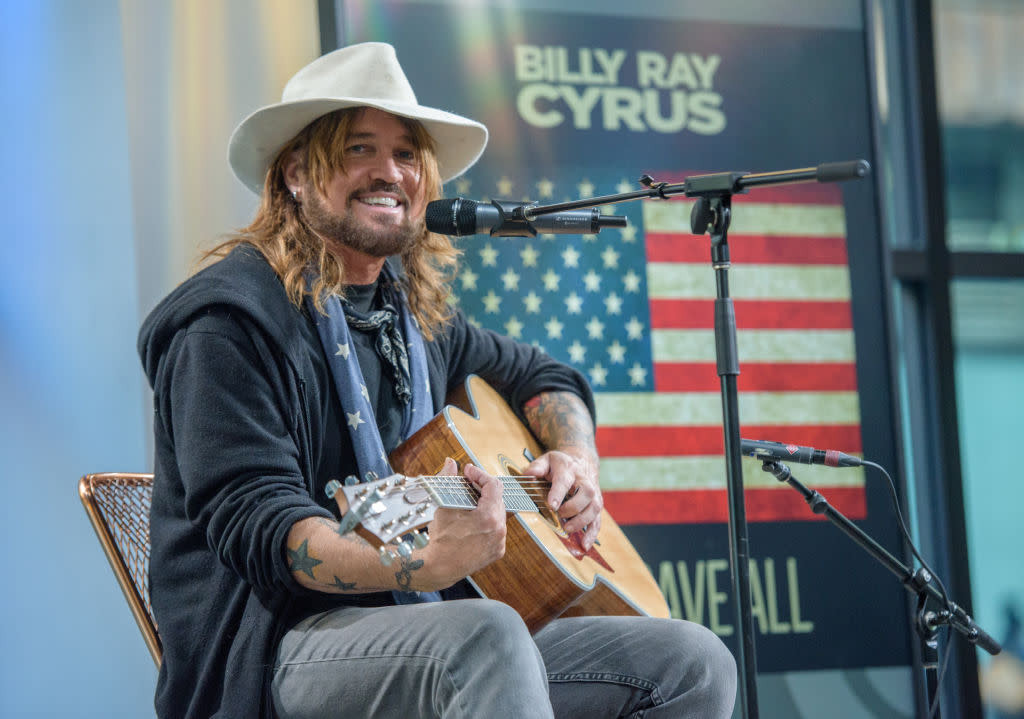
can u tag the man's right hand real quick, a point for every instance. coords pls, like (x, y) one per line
(463, 541)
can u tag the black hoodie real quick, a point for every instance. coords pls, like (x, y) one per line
(247, 433)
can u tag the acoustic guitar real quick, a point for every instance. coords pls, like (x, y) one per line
(545, 572)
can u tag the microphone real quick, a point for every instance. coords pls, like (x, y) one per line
(763, 449)
(500, 218)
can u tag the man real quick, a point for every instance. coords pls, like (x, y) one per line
(304, 355)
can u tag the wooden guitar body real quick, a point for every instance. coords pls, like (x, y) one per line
(544, 573)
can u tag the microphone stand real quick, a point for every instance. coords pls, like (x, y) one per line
(711, 214)
(927, 621)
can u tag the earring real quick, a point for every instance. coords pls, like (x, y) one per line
(295, 195)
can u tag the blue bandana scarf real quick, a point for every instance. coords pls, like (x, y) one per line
(408, 363)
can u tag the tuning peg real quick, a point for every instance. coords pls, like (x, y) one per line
(332, 488)
(386, 556)
(371, 476)
(405, 549)
(369, 493)
(351, 479)
(420, 539)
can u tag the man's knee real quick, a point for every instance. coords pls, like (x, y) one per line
(494, 659)
(709, 668)
(481, 623)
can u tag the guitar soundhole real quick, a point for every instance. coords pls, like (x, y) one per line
(506, 465)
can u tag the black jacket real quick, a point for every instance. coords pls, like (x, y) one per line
(247, 433)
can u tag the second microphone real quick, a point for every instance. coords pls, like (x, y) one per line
(499, 218)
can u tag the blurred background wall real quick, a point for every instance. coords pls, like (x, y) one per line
(115, 125)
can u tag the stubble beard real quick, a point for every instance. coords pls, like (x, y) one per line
(378, 239)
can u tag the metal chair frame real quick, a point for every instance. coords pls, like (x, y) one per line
(118, 507)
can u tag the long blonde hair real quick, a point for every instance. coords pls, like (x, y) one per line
(280, 233)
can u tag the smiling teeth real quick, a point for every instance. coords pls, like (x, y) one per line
(383, 201)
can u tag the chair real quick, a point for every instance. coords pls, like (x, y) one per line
(118, 507)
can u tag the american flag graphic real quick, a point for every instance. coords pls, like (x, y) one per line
(632, 309)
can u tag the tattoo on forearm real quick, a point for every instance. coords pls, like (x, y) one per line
(336, 527)
(404, 575)
(300, 560)
(560, 419)
(343, 586)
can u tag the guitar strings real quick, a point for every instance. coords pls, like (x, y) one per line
(534, 488)
(451, 480)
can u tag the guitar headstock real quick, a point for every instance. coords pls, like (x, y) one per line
(384, 511)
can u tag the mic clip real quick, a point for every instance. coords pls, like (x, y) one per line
(650, 183)
(514, 220)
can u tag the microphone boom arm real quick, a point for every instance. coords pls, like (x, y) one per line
(917, 582)
(708, 185)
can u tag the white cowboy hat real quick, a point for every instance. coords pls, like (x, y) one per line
(364, 75)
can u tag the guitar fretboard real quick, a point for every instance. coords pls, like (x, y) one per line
(458, 493)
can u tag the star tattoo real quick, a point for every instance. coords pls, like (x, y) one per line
(343, 586)
(300, 561)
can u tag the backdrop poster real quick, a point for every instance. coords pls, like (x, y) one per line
(582, 105)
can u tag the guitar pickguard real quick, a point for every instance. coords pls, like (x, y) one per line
(574, 543)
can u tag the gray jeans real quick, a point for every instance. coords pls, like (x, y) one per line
(475, 658)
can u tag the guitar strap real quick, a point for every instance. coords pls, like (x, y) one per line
(407, 360)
